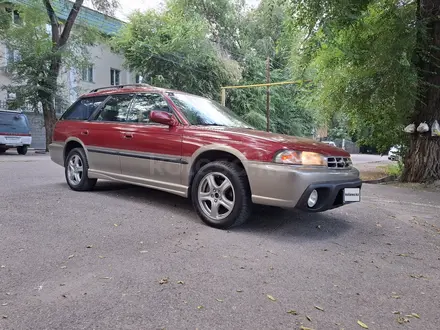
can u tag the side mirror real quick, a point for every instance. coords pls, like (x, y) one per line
(163, 117)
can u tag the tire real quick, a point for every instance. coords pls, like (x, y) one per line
(2, 150)
(232, 200)
(76, 171)
(22, 150)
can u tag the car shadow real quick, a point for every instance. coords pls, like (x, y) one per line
(265, 220)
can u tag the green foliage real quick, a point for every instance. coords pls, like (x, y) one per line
(31, 52)
(173, 49)
(360, 57)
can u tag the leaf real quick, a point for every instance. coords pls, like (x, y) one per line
(415, 315)
(304, 328)
(163, 281)
(63, 267)
(4, 316)
(239, 290)
(396, 312)
(271, 298)
(105, 278)
(115, 225)
(362, 324)
(395, 296)
(292, 312)
(319, 308)
(89, 246)
(199, 307)
(219, 300)
(101, 257)
(402, 320)
(309, 318)
(180, 282)
(71, 256)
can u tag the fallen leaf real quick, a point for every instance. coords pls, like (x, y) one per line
(4, 316)
(62, 284)
(396, 312)
(144, 251)
(63, 267)
(89, 246)
(239, 290)
(105, 278)
(180, 282)
(271, 298)
(115, 225)
(389, 243)
(64, 296)
(362, 324)
(71, 256)
(5, 304)
(101, 257)
(309, 318)
(163, 281)
(319, 308)
(416, 276)
(292, 312)
(415, 315)
(199, 307)
(219, 300)
(304, 328)
(395, 296)
(2, 266)
(402, 320)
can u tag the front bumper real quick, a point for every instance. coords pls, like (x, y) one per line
(330, 195)
(290, 186)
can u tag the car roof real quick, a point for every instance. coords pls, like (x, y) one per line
(127, 88)
(18, 112)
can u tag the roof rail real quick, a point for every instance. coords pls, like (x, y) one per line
(119, 86)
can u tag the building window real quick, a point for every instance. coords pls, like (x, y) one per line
(139, 79)
(87, 74)
(15, 15)
(114, 77)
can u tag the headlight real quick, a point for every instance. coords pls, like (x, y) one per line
(293, 157)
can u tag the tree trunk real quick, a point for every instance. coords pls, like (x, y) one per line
(422, 163)
(47, 95)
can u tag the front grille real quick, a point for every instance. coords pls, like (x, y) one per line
(339, 162)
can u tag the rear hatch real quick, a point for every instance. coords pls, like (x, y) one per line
(13, 126)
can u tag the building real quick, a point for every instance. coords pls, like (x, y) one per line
(107, 68)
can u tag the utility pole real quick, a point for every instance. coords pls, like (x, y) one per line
(268, 93)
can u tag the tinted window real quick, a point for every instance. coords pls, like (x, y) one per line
(13, 123)
(116, 108)
(83, 109)
(144, 104)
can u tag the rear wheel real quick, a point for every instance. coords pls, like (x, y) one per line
(76, 171)
(221, 195)
(22, 150)
(2, 150)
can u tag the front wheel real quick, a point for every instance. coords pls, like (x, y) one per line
(221, 195)
(22, 150)
(76, 171)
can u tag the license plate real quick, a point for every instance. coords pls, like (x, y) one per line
(352, 195)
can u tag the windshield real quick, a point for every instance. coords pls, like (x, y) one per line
(202, 111)
(13, 123)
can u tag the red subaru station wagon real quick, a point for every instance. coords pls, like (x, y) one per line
(194, 147)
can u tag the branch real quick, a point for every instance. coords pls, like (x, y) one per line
(70, 22)
(53, 22)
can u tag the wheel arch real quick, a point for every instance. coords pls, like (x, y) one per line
(71, 144)
(211, 153)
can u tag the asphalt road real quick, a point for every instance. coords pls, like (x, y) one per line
(96, 260)
(367, 158)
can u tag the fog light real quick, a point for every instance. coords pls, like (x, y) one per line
(313, 199)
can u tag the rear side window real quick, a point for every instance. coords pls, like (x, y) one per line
(14, 123)
(83, 108)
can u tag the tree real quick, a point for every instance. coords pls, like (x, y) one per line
(172, 49)
(377, 61)
(41, 56)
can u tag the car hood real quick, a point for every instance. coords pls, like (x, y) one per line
(281, 141)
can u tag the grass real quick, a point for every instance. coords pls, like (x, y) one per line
(382, 171)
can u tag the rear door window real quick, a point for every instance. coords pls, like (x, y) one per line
(11, 122)
(116, 108)
(83, 108)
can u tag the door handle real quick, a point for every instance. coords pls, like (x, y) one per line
(128, 135)
(85, 132)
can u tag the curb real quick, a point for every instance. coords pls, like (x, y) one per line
(381, 180)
